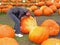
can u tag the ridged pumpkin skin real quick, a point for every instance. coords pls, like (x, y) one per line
(8, 41)
(6, 31)
(51, 41)
(52, 26)
(38, 35)
(27, 24)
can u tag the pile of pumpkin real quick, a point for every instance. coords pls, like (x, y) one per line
(7, 34)
(5, 8)
(40, 34)
(46, 8)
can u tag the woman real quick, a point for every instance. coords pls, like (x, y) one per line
(16, 14)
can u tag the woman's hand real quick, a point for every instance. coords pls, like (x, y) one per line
(28, 13)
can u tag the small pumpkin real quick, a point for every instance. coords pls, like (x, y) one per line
(57, 5)
(6, 31)
(8, 41)
(41, 3)
(28, 24)
(5, 10)
(49, 3)
(47, 11)
(38, 12)
(38, 35)
(51, 41)
(53, 7)
(52, 26)
(33, 8)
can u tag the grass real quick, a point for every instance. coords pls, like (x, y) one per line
(4, 19)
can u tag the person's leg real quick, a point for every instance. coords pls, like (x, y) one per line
(16, 20)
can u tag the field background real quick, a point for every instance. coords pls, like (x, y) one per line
(4, 19)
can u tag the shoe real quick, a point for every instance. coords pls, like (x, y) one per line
(19, 35)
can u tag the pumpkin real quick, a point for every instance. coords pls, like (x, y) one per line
(28, 24)
(38, 12)
(47, 11)
(49, 3)
(59, 11)
(5, 10)
(53, 7)
(8, 41)
(57, 5)
(41, 3)
(52, 26)
(38, 35)
(6, 31)
(9, 6)
(29, 9)
(33, 8)
(51, 41)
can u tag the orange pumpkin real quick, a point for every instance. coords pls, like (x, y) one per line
(38, 35)
(33, 8)
(28, 24)
(38, 12)
(47, 11)
(9, 6)
(57, 5)
(5, 10)
(49, 3)
(53, 7)
(52, 26)
(6, 31)
(51, 41)
(41, 3)
(8, 41)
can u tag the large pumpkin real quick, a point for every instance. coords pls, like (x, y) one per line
(6, 31)
(8, 41)
(52, 26)
(28, 24)
(38, 35)
(51, 41)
